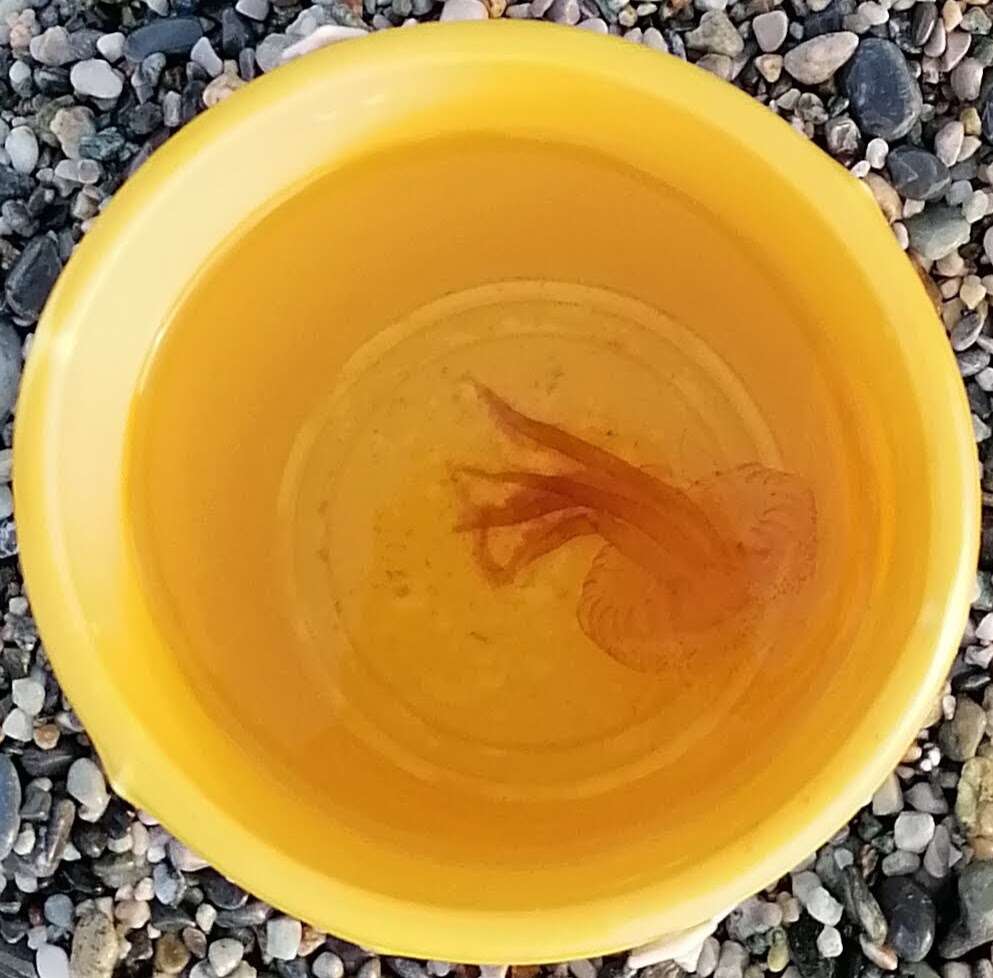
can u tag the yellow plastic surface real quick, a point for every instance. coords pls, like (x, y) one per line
(235, 496)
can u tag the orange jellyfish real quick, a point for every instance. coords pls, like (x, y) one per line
(680, 569)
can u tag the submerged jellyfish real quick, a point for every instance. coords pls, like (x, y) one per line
(680, 569)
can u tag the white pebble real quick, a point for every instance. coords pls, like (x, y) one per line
(203, 54)
(22, 148)
(843, 858)
(51, 962)
(463, 10)
(888, 799)
(96, 79)
(976, 207)
(283, 934)
(29, 695)
(913, 831)
(823, 907)
(185, 859)
(85, 782)
(829, 942)
(948, 142)
(972, 291)
(732, 961)
(876, 152)
(329, 965)
(901, 234)
(206, 917)
(253, 9)
(225, 955)
(500, 970)
(111, 46)
(710, 954)
(804, 883)
(17, 725)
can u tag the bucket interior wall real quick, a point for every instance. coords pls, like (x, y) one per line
(294, 497)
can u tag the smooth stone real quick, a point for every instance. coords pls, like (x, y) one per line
(900, 863)
(937, 231)
(975, 924)
(28, 694)
(10, 377)
(770, 29)
(459, 10)
(269, 52)
(888, 799)
(959, 738)
(96, 79)
(863, 906)
(51, 962)
(171, 35)
(913, 831)
(94, 947)
(10, 805)
(967, 79)
(225, 955)
(283, 935)
(884, 97)
(815, 61)
(916, 173)
(70, 126)
(85, 782)
(21, 145)
(924, 796)
(910, 913)
(52, 47)
(802, 938)
(329, 965)
(716, 34)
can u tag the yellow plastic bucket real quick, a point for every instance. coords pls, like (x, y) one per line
(496, 492)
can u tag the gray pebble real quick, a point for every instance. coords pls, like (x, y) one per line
(96, 79)
(815, 61)
(884, 97)
(769, 30)
(937, 231)
(716, 34)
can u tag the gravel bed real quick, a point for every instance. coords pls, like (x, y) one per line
(895, 90)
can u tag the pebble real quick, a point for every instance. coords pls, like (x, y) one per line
(21, 145)
(924, 796)
(28, 694)
(203, 54)
(94, 947)
(959, 737)
(829, 942)
(283, 934)
(225, 955)
(329, 965)
(882, 957)
(58, 910)
(910, 913)
(52, 962)
(948, 142)
(884, 98)
(716, 34)
(815, 61)
(185, 859)
(32, 277)
(967, 79)
(732, 961)
(939, 854)
(770, 29)
(171, 35)
(111, 46)
(70, 126)
(17, 725)
(95, 78)
(52, 47)
(464, 10)
(257, 10)
(822, 906)
(900, 863)
(916, 173)
(937, 231)
(171, 954)
(974, 926)
(863, 906)
(888, 799)
(269, 53)
(85, 782)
